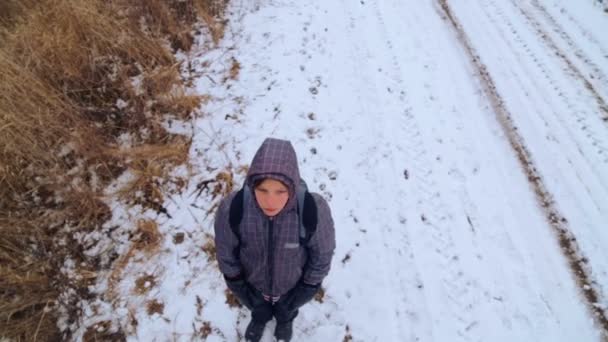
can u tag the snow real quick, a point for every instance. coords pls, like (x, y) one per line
(440, 236)
(566, 134)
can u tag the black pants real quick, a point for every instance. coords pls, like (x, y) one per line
(262, 311)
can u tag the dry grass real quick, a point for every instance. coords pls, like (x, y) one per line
(167, 18)
(24, 281)
(320, 295)
(154, 306)
(215, 28)
(102, 331)
(205, 330)
(10, 10)
(144, 283)
(66, 65)
(235, 69)
(231, 299)
(29, 129)
(209, 248)
(85, 51)
(224, 185)
(176, 152)
(147, 239)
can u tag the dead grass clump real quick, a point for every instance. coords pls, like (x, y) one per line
(231, 299)
(144, 189)
(149, 165)
(27, 306)
(161, 80)
(164, 18)
(215, 27)
(175, 18)
(148, 237)
(205, 330)
(224, 185)
(179, 104)
(116, 274)
(209, 248)
(154, 306)
(174, 153)
(144, 283)
(27, 299)
(10, 11)
(82, 208)
(235, 69)
(102, 331)
(320, 295)
(35, 120)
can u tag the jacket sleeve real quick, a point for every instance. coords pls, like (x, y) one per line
(321, 245)
(226, 241)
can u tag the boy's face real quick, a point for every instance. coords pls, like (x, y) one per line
(272, 196)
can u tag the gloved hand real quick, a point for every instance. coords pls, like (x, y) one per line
(301, 295)
(240, 289)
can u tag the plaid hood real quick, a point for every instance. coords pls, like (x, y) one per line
(276, 159)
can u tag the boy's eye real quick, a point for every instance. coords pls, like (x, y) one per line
(266, 191)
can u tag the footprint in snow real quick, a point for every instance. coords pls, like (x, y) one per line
(312, 132)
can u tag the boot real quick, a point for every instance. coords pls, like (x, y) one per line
(283, 331)
(254, 331)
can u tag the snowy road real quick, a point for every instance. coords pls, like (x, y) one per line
(440, 233)
(558, 116)
(411, 121)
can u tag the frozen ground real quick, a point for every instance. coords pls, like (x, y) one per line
(410, 117)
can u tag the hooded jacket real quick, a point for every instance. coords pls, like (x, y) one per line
(269, 255)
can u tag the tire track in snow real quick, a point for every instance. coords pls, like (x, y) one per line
(576, 50)
(403, 282)
(595, 139)
(565, 123)
(455, 281)
(601, 103)
(584, 32)
(566, 240)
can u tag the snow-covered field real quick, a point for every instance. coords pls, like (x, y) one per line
(408, 124)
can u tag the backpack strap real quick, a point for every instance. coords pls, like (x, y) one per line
(237, 210)
(307, 212)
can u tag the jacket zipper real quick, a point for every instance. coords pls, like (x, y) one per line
(270, 257)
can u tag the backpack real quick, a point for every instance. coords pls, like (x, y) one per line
(307, 212)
